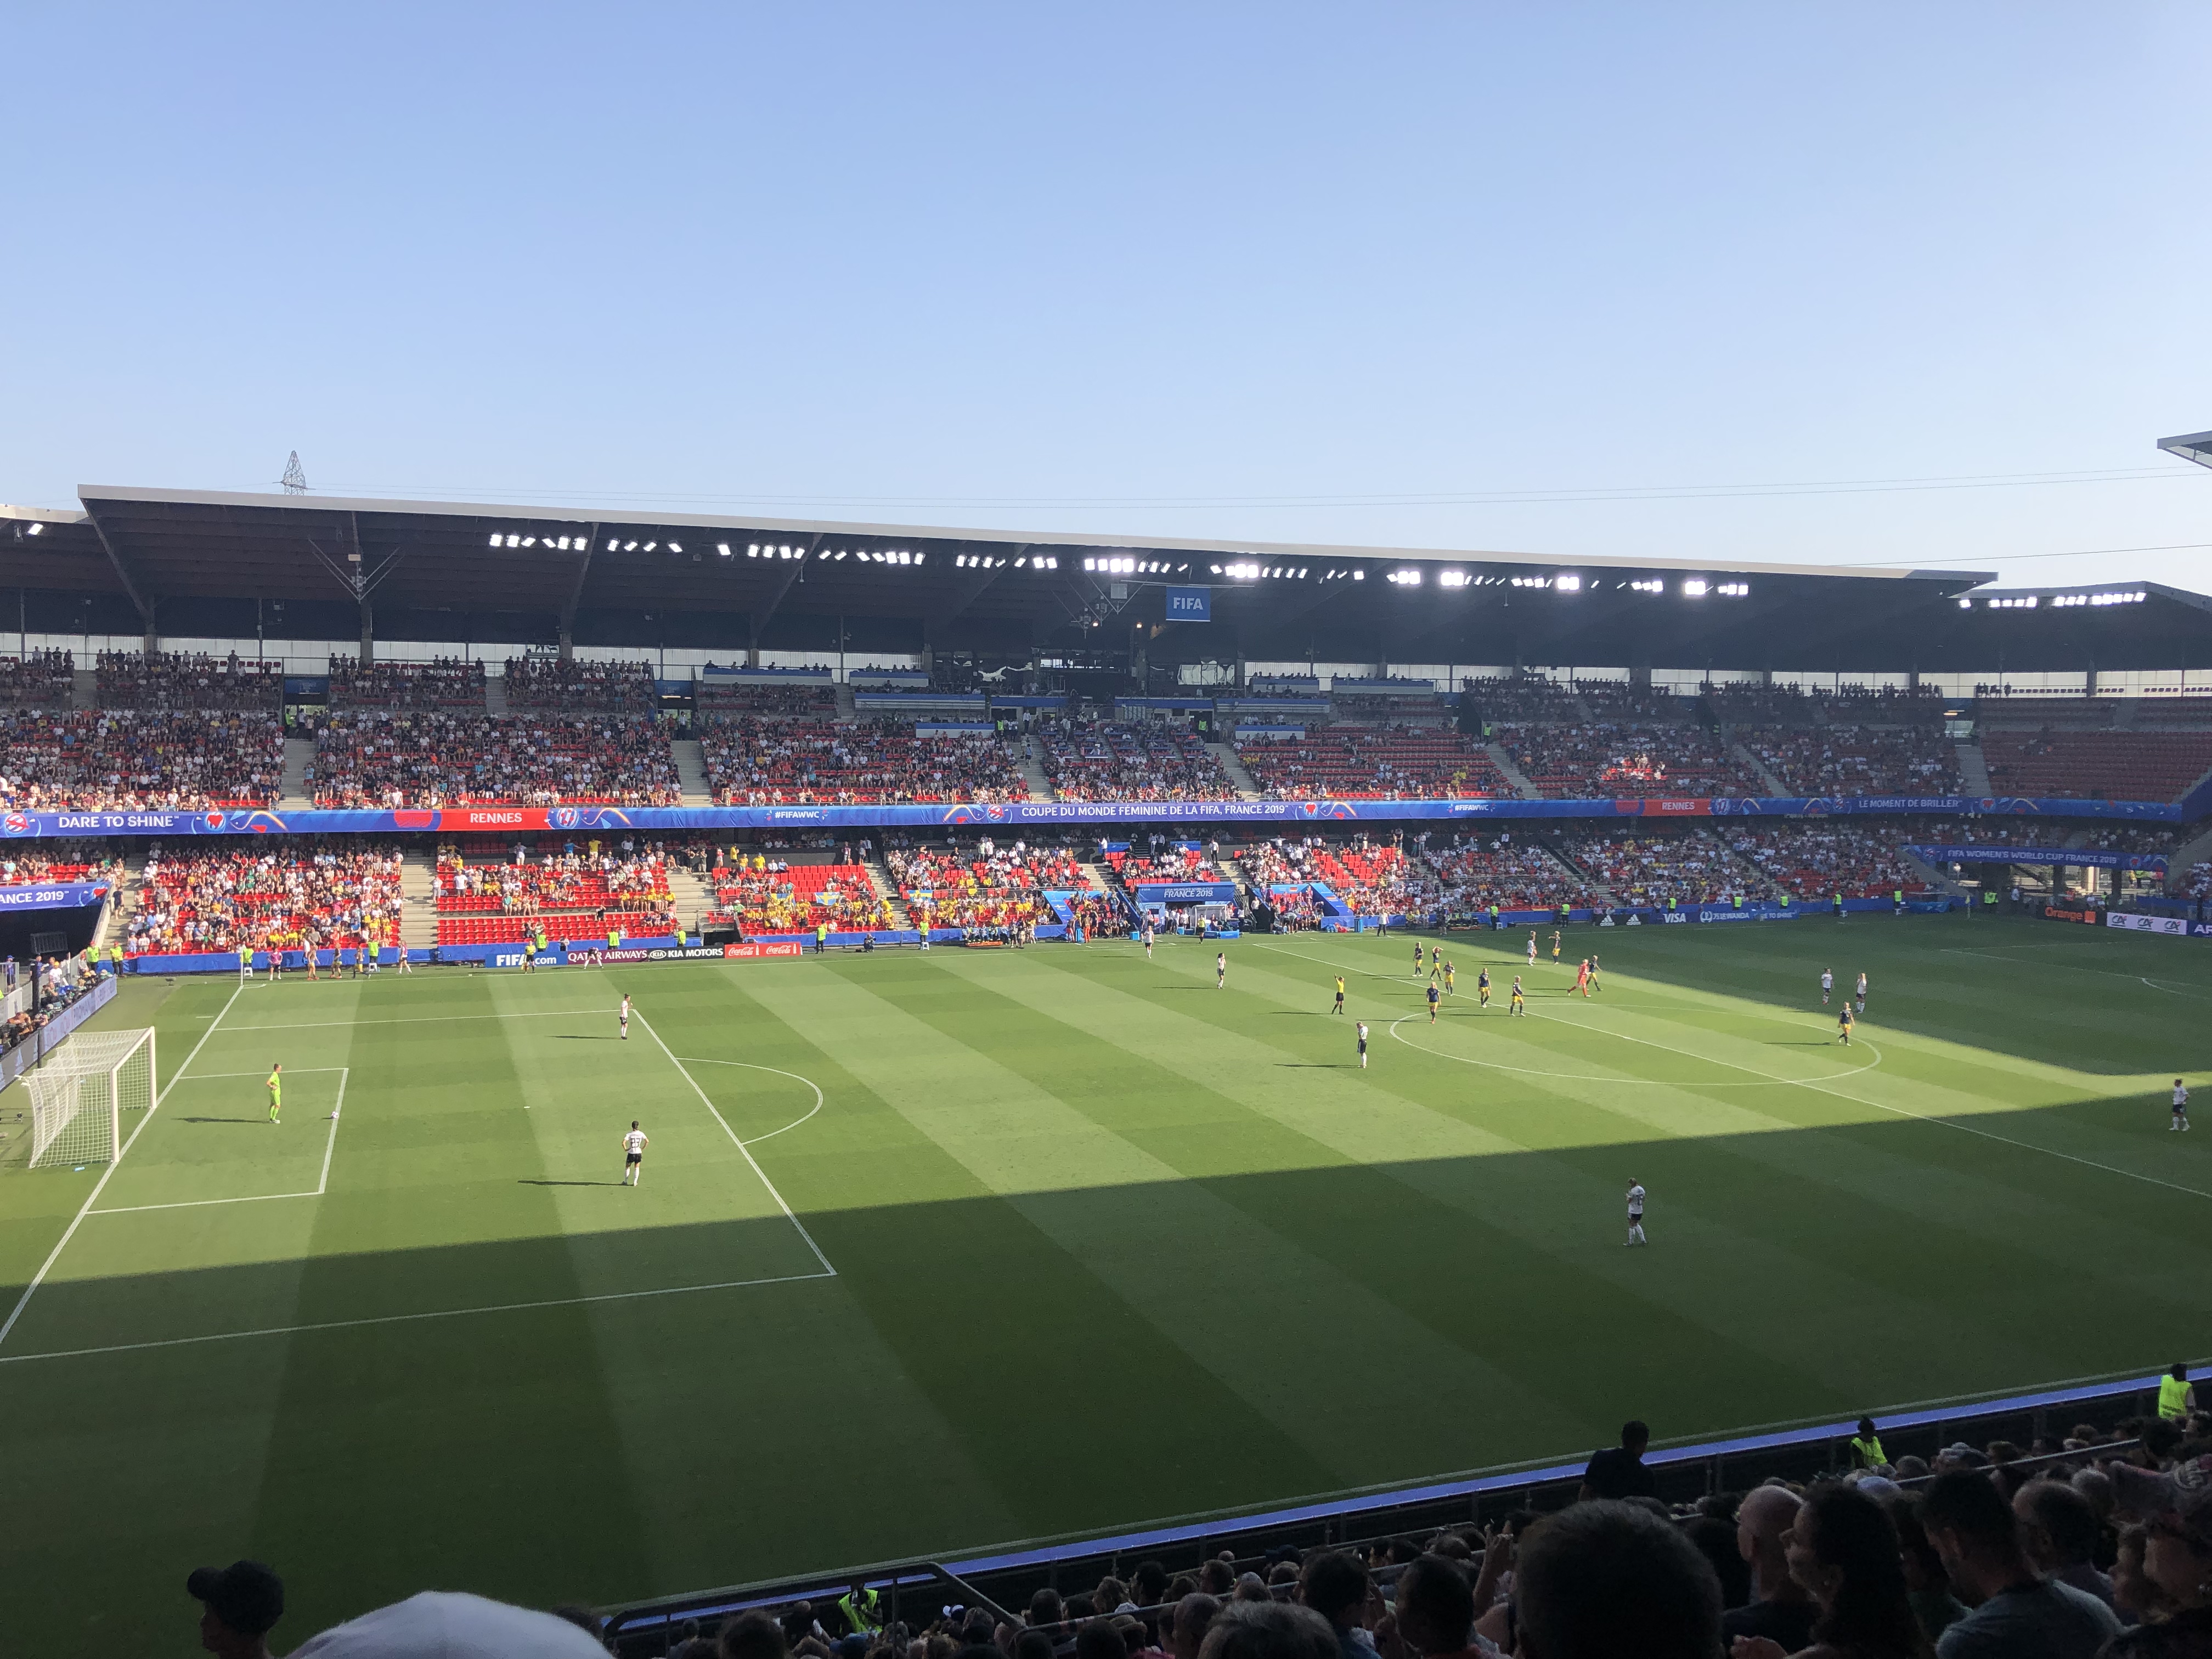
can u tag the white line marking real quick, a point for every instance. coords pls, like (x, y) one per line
(739, 1145)
(1585, 1077)
(100, 1185)
(400, 1319)
(780, 1071)
(298, 1071)
(425, 1019)
(1899, 1111)
(321, 1187)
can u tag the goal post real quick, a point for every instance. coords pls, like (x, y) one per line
(83, 1094)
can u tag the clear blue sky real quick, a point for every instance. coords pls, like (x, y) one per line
(1160, 270)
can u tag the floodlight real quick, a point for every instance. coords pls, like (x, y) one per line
(722, 548)
(753, 552)
(673, 547)
(529, 541)
(36, 530)
(1215, 568)
(1568, 584)
(1692, 588)
(1359, 575)
(495, 540)
(629, 547)
(649, 546)
(1965, 604)
(612, 544)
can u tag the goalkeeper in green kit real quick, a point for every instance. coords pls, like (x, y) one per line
(276, 1091)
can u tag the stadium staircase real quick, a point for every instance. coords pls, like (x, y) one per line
(690, 895)
(1033, 770)
(879, 877)
(84, 688)
(1937, 878)
(495, 694)
(1513, 774)
(1774, 785)
(418, 902)
(1973, 768)
(2196, 850)
(299, 756)
(846, 709)
(692, 772)
(1239, 779)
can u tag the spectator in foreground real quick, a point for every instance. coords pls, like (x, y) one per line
(1334, 1585)
(1926, 1585)
(2016, 1615)
(1434, 1611)
(242, 1604)
(1194, 1616)
(2060, 1533)
(2177, 1561)
(1619, 1471)
(442, 1624)
(1844, 1550)
(1269, 1630)
(1604, 1580)
(1781, 1610)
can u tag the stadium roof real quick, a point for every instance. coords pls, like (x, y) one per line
(191, 563)
(2191, 446)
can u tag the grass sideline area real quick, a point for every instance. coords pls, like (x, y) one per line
(937, 1251)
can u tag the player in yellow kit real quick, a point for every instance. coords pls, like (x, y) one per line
(1519, 1005)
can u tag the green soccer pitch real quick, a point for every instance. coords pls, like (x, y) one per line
(936, 1252)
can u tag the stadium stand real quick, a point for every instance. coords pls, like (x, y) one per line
(1817, 860)
(1858, 760)
(1097, 760)
(1567, 762)
(759, 697)
(40, 679)
(1652, 867)
(1511, 874)
(1376, 881)
(766, 896)
(178, 679)
(758, 762)
(127, 760)
(57, 862)
(598, 688)
(444, 682)
(395, 760)
(565, 896)
(1359, 762)
(985, 886)
(1527, 699)
(1616, 700)
(2096, 766)
(323, 894)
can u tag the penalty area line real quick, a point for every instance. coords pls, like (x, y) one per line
(408, 1318)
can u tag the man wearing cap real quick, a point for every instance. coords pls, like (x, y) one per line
(243, 1602)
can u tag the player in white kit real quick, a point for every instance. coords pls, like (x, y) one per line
(623, 1018)
(2180, 1107)
(1828, 984)
(1635, 1212)
(633, 1144)
(1862, 1007)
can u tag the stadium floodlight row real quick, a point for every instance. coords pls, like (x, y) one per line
(149, 567)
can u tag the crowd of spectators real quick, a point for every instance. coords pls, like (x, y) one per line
(37, 679)
(1567, 762)
(1530, 697)
(1359, 762)
(61, 981)
(1099, 760)
(1653, 866)
(442, 683)
(1619, 701)
(127, 760)
(759, 895)
(602, 880)
(1816, 859)
(1376, 881)
(1858, 760)
(187, 679)
(390, 761)
(763, 697)
(57, 861)
(574, 687)
(985, 885)
(760, 762)
(332, 895)
(1507, 874)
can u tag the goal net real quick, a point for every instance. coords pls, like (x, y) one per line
(80, 1092)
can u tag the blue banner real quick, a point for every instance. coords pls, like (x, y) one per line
(1186, 892)
(585, 822)
(2079, 858)
(61, 895)
(1191, 605)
